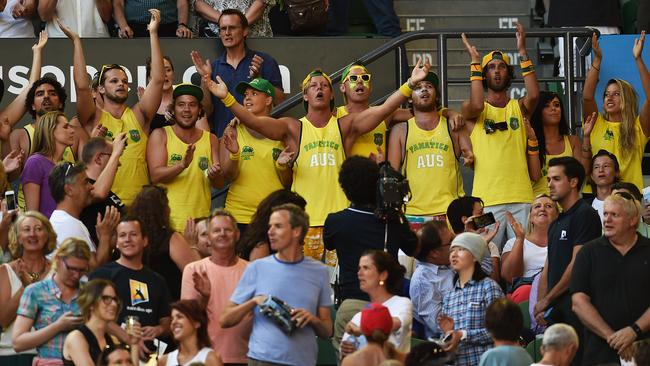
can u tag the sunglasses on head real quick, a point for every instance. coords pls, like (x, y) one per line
(108, 67)
(625, 195)
(357, 78)
(492, 127)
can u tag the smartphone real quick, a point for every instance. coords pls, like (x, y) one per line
(10, 198)
(484, 220)
(448, 338)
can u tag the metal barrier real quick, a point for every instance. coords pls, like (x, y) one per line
(397, 45)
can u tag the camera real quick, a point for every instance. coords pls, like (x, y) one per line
(279, 312)
(393, 192)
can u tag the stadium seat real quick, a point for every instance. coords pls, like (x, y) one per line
(524, 311)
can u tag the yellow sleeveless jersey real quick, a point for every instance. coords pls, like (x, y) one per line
(257, 177)
(133, 172)
(316, 170)
(541, 186)
(606, 135)
(500, 165)
(68, 156)
(431, 167)
(188, 192)
(366, 144)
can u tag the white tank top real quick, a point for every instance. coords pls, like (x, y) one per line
(201, 356)
(5, 339)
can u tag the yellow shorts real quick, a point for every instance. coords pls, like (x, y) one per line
(314, 246)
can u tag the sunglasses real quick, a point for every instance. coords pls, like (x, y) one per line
(106, 68)
(358, 78)
(80, 271)
(492, 127)
(107, 300)
(67, 169)
(625, 195)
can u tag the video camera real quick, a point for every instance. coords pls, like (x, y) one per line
(393, 192)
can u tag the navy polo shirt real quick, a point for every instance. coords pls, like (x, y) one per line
(221, 115)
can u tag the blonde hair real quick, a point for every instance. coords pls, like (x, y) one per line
(631, 206)
(44, 134)
(531, 226)
(16, 248)
(71, 247)
(629, 108)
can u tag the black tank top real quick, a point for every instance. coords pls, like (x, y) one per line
(93, 345)
(161, 262)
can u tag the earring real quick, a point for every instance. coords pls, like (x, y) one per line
(381, 282)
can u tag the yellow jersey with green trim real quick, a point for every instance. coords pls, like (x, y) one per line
(316, 169)
(257, 177)
(189, 192)
(500, 164)
(133, 172)
(367, 143)
(605, 136)
(68, 156)
(541, 186)
(432, 169)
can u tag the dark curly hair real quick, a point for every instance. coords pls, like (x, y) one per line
(537, 122)
(151, 208)
(358, 179)
(386, 262)
(31, 94)
(256, 231)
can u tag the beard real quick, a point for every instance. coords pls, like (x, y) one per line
(425, 107)
(499, 87)
(116, 99)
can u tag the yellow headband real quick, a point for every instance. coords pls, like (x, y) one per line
(316, 72)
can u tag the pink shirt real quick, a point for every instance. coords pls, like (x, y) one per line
(231, 343)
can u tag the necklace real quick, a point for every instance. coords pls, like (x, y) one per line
(32, 275)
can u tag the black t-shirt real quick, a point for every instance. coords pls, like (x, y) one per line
(353, 231)
(580, 13)
(89, 214)
(618, 286)
(143, 292)
(576, 226)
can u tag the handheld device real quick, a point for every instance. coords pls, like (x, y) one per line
(10, 198)
(484, 220)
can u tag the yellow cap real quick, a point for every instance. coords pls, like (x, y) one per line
(495, 55)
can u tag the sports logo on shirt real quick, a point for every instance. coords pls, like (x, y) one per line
(563, 235)
(514, 123)
(609, 135)
(139, 292)
(109, 135)
(135, 135)
(247, 152)
(203, 162)
(276, 153)
(379, 139)
(175, 158)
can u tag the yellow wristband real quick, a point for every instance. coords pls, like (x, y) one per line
(525, 64)
(229, 100)
(406, 90)
(475, 67)
(234, 157)
(476, 78)
(533, 143)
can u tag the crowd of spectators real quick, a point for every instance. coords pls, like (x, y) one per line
(114, 254)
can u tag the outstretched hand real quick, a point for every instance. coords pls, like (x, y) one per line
(154, 23)
(42, 41)
(521, 37)
(637, 50)
(419, 72)
(471, 50)
(203, 67)
(72, 35)
(588, 124)
(218, 88)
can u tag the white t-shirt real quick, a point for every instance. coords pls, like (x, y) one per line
(534, 256)
(14, 28)
(599, 206)
(81, 16)
(399, 307)
(65, 226)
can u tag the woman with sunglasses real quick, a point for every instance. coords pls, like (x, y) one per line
(99, 306)
(189, 327)
(524, 256)
(619, 128)
(552, 131)
(52, 136)
(31, 238)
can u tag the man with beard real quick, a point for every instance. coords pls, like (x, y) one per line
(505, 147)
(318, 141)
(426, 150)
(115, 115)
(184, 158)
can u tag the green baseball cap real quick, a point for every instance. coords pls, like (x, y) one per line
(188, 89)
(258, 84)
(433, 79)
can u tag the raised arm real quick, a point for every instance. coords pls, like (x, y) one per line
(589, 90)
(203, 67)
(229, 153)
(86, 108)
(528, 71)
(104, 182)
(513, 261)
(370, 118)
(637, 51)
(150, 101)
(16, 109)
(273, 128)
(473, 107)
